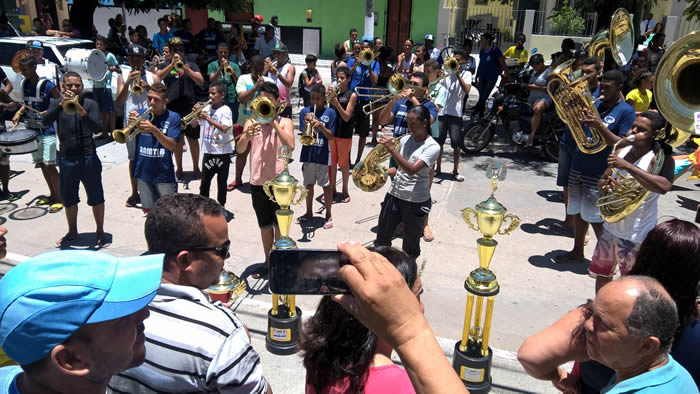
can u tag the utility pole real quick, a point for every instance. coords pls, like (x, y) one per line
(369, 18)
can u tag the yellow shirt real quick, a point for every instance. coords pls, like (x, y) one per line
(641, 101)
(520, 54)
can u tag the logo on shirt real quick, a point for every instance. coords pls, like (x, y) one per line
(608, 120)
(325, 119)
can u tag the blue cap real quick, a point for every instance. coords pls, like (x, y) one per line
(368, 39)
(36, 44)
(44, 300)
(429, 37)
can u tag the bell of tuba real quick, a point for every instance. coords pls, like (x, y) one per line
(369, 174)
(619, 38)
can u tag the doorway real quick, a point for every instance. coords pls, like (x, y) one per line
(398, 24)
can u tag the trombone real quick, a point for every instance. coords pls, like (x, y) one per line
(190, 119)
(367, 56)
(131, 130)
(262, 110)
(397, 83)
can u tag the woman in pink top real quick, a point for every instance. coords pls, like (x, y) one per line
(343, 356)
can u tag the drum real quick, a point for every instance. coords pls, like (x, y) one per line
(89, 63)
(19, 142)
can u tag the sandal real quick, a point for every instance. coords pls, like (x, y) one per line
(63, 241)
(132, 201)
(43, 200)
(346, 199)
(328, 225)
(231, 186)
(458, 177)
(302, 219)
(55, 208)
(428, 236)
(261, 273)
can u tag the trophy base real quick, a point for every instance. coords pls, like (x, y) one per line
(283, 332)
(285, 243)
(473, 368)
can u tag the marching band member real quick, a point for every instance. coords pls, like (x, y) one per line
(216, 159)
(283, 75)
(77, 158)
(408, 200)
(619, 242)
(344, 104)
(361, 77)
(217, 74)
(37, 93)
(181, 99)
(438, 96)
(264, 142)
(132, 102)
(400, 103)
(153, 163)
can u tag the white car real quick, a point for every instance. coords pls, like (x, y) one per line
(55, 49)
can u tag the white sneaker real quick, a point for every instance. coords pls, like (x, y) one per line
(518, 137)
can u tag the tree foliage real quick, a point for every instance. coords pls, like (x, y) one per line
(692, 10)
(565, 20)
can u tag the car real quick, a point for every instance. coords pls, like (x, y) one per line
(55, 49)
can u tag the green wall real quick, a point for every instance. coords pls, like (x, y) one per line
(424, 20)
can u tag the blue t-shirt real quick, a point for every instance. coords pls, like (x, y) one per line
(400, 109)
(8, 379)
(318, 153)
(567, 139)
(159, 40)
(618, 119)
(489, 68)
(361, 76)
(670, 378)
(29, 92)
(153, 162)
(685, 350)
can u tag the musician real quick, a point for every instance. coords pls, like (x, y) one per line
(132, 102)
(457, 86)
(77, 159)
(408, 199)
(619, 242)
(247, 89)
(153, 163)
(217, 74)
(7, 111)
(316, 158)
(264, 142)
(37, 93)
(343, 102)
(181, 99)
(386, 70)
(362, 77)
(616, 118)
(216, 159)
(102, 91)
(400, 103)
(283, 75)
(438, 96)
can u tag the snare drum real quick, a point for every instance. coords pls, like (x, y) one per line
(19, 142)
(89, 63)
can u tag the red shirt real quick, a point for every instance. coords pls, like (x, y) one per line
(385, 379)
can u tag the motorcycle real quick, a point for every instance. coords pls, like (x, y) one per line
(509, 108)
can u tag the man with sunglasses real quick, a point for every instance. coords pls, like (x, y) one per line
(192, 345)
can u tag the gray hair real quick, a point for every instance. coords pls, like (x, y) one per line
(653, 314)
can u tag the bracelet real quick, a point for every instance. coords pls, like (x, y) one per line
(19, 112)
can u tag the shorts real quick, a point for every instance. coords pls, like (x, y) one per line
(315, 173)
(547, 101)
(81, 169)
(361, 120)
(46, 151)
(103, 96)
(583, 194)
(192, 132)
(131, 148)
(340, 151)
(150, 192)
(453, 125)
(612, 252)
(264, 207)
(564, 165)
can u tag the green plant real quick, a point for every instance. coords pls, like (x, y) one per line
(566, 21)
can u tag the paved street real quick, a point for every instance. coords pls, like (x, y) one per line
(534, 290)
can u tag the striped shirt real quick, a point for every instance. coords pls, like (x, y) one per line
(193, 345)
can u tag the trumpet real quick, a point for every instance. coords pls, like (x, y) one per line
(190, 119)
(136, 88)
(268, 66)
(70, 106)
(178, 64)
(331, 93)
(131, 130)
(308, 136)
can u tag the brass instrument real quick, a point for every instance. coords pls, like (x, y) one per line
(369, 174)
(331, 93)
(219, 139)
(268, 66)
(264, 111)
(131, 130)
(136, 88)
(451, 66)
(628, 194)
(178, 65)
(308, 136)
(619, 38)
(190, 119)
(367, 56)
(14, 63)
(70, 106)
(397, 83)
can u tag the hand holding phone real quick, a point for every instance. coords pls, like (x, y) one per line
(306, 271)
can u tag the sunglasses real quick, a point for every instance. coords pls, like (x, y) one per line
(221, 251)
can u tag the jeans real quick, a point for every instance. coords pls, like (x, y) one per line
(485, 87)
(412, 214)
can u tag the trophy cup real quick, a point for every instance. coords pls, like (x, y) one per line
(230, 286)
(284, 321)
(472, 355)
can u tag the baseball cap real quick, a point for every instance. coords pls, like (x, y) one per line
(368, 39)
(137, 50)
(45, 299)
(429, 37)
(36, 44)
(280, 47)
(257, 18)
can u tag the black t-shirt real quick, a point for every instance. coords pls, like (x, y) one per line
(209, 39)
(187, 40)
(181, 90)
(75, 131)
(3, 76)
(344, 129)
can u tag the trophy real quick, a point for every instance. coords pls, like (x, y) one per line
(472, 355)
(284, 321)
(230, 286)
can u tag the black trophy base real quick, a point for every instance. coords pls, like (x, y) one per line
(473, 368)
(283, 332)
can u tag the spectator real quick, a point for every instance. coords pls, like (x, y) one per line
(471, 60)
(162, 36)
(641, 97)
(647, 24)
(638, 66)
(339, 61)
(185, 34)
(47, 20)
(209, 38)
(406, 59)
(349, 42)
(309, 77)
(539, 97)
(102, 89)
(568, 46)
(75, 342)
(67, 30)
(252, 37)
(649, 34)
(491, 64)
(274, 21)
(655, 51)
(37, 28)
(421, 57)
(144, 41)
(430, 50)
(342, 355)
(191, 231)
(266, 42)
(518, 50)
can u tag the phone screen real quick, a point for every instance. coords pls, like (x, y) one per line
(306, 271)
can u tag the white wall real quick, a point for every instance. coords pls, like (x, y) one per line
(148, 19)
(547, 45)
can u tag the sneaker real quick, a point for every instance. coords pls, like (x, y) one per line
(518, 137)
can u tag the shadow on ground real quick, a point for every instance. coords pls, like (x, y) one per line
(547, 226)
(547, 261)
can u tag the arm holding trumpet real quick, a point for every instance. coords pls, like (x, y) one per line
(146, 127)
(317, 125)
(204, 115)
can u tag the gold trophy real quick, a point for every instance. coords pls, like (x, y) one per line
(284, 321)
(472, 355)
(229, 287)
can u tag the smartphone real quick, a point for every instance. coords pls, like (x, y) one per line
(307, 271)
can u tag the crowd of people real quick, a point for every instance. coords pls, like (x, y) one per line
(639, 331)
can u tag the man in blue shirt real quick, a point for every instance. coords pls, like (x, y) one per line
(317, 157)
(153, 164)
(491, 65)
(616, 118)
(399, 105)
(161, 37)
(362, 76)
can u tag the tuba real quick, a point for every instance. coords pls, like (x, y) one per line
(369, 174)
(130, 131)
(619, 38)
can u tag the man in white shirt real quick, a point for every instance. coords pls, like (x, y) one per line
(647, 24)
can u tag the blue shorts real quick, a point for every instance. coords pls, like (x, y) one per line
(81, 169)
(566, 155)
(103, 96)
